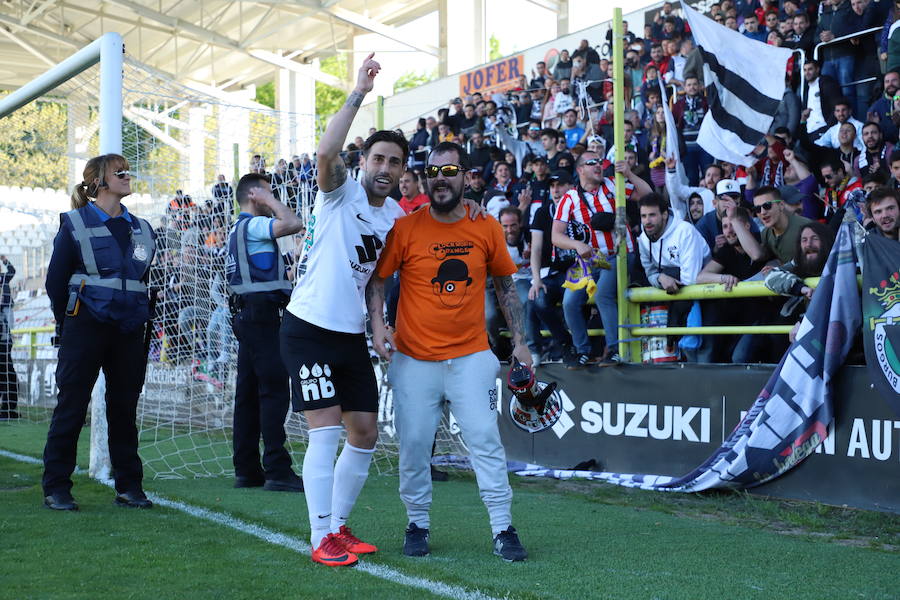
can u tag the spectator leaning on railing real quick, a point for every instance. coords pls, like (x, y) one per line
(672, 253)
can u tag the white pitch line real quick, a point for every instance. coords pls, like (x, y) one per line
(291, 543)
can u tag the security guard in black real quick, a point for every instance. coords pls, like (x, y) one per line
(260, 290)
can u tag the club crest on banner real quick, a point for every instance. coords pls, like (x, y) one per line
(882, 320)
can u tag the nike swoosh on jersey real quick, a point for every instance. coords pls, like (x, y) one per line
(359, 216)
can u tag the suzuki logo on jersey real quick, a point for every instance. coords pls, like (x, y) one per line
(315, 382)
(368, 252)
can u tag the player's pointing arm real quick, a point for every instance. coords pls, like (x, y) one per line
(331, 170)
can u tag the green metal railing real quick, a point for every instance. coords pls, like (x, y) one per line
(630, 319)
(31, 334)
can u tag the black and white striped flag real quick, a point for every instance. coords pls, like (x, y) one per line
(744, 84)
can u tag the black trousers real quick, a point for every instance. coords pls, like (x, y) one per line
(262, 394)
(9, 383)
(87, 346)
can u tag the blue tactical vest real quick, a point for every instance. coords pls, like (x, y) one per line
(246, 278)
(107, 281)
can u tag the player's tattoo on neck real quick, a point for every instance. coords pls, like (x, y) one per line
(354, 99)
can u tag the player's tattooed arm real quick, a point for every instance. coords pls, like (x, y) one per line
(382, 337)
(332, 173)
(355, 99)
(336, 175)
(508, 300)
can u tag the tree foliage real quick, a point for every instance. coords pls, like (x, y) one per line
(329, 99)
(33, 146)
(411, 80)
(494, 48)
(265, 94)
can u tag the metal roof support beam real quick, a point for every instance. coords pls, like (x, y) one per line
(551, 5)
(300, 68)
(35, 12)
(200, 33)
(28, 47)
(156, 132)
(367, 24)
(49, 35)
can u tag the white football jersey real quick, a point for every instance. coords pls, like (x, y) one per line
(344, 238)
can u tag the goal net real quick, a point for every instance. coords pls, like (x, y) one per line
(186, 147)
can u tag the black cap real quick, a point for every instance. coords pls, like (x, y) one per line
(562, 176)
(539, 158)
(493, 193)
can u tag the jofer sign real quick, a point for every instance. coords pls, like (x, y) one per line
(495, 77)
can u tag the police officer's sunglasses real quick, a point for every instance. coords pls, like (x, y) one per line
(431, 171)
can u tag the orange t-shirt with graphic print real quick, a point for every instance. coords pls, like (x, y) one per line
(443, 270)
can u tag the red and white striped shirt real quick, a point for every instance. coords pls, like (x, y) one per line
(573, 209)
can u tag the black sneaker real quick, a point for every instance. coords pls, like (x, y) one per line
(577, 361)
(416, 542)
(292, 483)
(611, 359)
(508, 547)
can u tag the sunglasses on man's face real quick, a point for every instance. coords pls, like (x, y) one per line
(122, 174)
(431, 171)
(592, 162)
(765, 206)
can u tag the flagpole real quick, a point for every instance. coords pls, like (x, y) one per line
(621, 224)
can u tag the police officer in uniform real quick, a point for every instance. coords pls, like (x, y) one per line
(97, 284)
(259, 292)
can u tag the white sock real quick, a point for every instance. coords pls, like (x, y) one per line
(350, 474)
(318, 479)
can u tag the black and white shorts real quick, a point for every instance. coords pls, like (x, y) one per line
(327, 368)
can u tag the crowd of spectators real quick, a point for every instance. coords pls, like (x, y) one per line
(542, 162)
(547, 142)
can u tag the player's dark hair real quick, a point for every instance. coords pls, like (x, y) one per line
(386, 135)
(248, 182)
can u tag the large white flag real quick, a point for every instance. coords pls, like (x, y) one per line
(744, 85)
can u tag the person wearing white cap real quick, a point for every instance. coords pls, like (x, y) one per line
(728, 196)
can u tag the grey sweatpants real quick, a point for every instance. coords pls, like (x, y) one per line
(469, 385)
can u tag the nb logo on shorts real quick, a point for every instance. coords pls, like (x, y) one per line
(315, 383)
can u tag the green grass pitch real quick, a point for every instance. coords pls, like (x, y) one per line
(585, 540)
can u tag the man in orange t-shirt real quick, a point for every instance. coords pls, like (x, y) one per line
(444, 260)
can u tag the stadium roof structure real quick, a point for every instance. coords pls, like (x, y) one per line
(221, 43)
